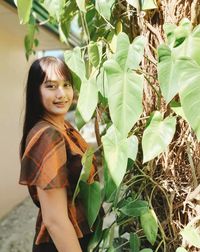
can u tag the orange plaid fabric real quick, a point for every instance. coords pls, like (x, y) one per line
(52, 159)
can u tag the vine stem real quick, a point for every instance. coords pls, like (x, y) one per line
(168, 203)
(85, 27)
(195, 182)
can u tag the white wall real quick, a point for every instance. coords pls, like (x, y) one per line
(13, 72)
(13, 68)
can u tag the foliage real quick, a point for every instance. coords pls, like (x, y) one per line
(111, 70)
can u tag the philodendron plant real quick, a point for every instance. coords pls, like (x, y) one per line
(108, 73)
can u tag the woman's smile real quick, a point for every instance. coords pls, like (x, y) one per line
(56, 95)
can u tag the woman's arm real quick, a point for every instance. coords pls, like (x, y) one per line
(55, 217)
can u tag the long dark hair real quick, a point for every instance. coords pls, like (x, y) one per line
(36, 76)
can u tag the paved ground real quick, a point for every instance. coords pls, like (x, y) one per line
(17, 228)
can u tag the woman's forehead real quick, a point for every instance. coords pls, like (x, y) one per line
(54, 73)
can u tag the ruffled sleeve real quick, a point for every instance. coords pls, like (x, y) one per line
(44, 163)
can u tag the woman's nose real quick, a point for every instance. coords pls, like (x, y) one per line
(60, 92)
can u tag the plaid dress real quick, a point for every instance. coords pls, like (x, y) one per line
(52, 159)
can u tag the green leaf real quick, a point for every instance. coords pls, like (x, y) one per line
(104, 7)
(116, 154)
(96, 238)
(191, 235)
(75, 62)
(157, 136)
(169, 30)
(167, 73)
(102, 84)
(91, 196)
(135, 4)
(190, 46)
(85, 172)
(29, 40)
(181, 249)
(109, 185)
(125, 90)
(135, 208)
(24, 10)
(176, 107)
(81, 5)
(126, 52)
(88, 99)
(149, 225)
(134, 242)
(189, 79)
(79, 120)
(177, 34)
(54, 7)
(148, 4)
(125, 87)
(95, 53)
(132, 147)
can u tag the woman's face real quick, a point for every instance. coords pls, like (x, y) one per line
(56, 94)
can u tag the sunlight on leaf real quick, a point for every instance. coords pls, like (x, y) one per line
(157, 136)
(149, 225)
(24, 10)
(91, 196)
(116, 154)
(88, 99)
(180, 249)
(191, 235)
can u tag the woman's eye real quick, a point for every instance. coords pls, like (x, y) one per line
(67, 84)
(50, 85)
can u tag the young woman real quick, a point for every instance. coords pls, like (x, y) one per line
(51, 151)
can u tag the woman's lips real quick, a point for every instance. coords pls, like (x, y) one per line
(60, 104)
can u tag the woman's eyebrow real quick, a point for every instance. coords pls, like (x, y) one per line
(55, 81)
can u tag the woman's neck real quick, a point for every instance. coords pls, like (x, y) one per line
(58, 121)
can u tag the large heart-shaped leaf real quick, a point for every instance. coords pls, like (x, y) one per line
(169, 30)
(149, 225)
(177, 34)
(24, 10)
(75, 62)
(91, 197)
(190, 47)
(167, 73)
(157, 136)
(124, 96)
(129, 55)
(125, 87)
(189, 79)
(116, 154)
(88, 99)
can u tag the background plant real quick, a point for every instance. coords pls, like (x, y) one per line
(138, 65)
